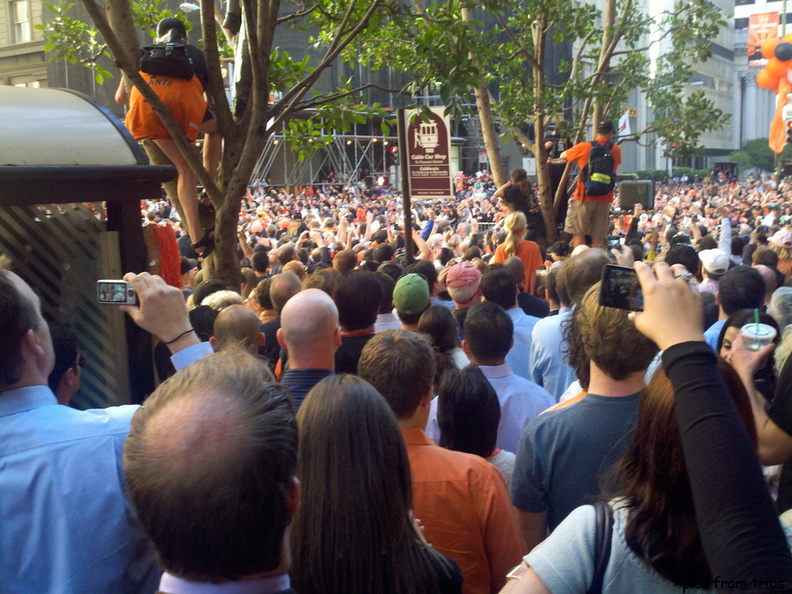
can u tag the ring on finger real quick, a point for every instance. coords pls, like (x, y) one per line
(686, 275)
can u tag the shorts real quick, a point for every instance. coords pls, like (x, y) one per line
(587, 218)
(183, 98)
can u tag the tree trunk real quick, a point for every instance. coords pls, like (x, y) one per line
(491, 141)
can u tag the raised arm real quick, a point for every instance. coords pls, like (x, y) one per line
(737, 523)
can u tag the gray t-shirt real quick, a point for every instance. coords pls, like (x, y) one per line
(563, 453)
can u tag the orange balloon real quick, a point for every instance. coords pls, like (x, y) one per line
(775, 67)
(766, 80)
(788, 38)
(768, 47)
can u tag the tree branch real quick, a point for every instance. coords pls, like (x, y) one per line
(529, 57)
(297, 15)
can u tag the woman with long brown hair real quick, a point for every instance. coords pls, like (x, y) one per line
(354, 532)
(655, 544)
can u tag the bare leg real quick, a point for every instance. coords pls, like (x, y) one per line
(185, 187)
(578, 240)
(596, 241)
(213, 146)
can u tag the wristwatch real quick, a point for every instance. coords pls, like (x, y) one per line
(518, 572)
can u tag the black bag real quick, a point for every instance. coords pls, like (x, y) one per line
(598, 175)
(167, 59)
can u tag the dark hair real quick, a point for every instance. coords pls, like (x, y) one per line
(171, 24)
(392, 269)
(64, 344)
(357, 296)
(260, 261)
(551, 285)
(685, 255)
(261, 293)
(439, 325)
(427, 269)
(737, 246)
(384, 252)
(764, 378)
(214, 499)
(499, 286)
(488, 332)
(400, 365)
(387, 284)
(605, 127)
(468, 412)
(17, 316)
(741, 287)
(206, 288)
(764, 254)
(202, 319)
(661, 528)
(356, 493)
(706, 243)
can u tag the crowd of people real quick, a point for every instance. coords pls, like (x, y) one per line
(466, 418)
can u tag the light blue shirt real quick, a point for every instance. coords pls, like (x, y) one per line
(712, 333)
(519, 357)
(520, 401)
(549, 369)
(565, 561)
(65, 525)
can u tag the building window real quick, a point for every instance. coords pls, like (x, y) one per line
(20, 21)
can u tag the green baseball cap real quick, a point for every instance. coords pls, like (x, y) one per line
(411, 294)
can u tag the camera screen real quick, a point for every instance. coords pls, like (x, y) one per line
(621, 289)
(112, 292)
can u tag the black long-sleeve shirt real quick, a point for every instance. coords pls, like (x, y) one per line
(740, 532)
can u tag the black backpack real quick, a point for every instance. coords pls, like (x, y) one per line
(598, 175)
(168, 59)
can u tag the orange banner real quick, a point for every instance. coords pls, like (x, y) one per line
(761, 27)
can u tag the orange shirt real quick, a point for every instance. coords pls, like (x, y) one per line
(528, 252)
(184, 99)
(466, 511)
(580, 155)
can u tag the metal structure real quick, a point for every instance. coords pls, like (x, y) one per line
(351, 156)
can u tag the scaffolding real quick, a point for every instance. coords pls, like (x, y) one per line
(352, 158)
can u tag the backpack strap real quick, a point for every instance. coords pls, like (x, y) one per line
(602, 545)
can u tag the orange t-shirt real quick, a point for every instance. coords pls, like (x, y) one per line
(466, 511)
(580, 155)
(183, 98)
(528, 252)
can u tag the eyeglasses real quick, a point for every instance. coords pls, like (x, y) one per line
(80, 360)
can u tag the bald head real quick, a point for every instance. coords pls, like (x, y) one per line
(517, 267)
(237, 325)
(309, 329)
(770, 279)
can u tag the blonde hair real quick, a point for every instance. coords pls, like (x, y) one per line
(515, 225)
(783, 253)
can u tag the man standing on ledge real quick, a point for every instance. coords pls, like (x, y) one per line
(589, 209)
